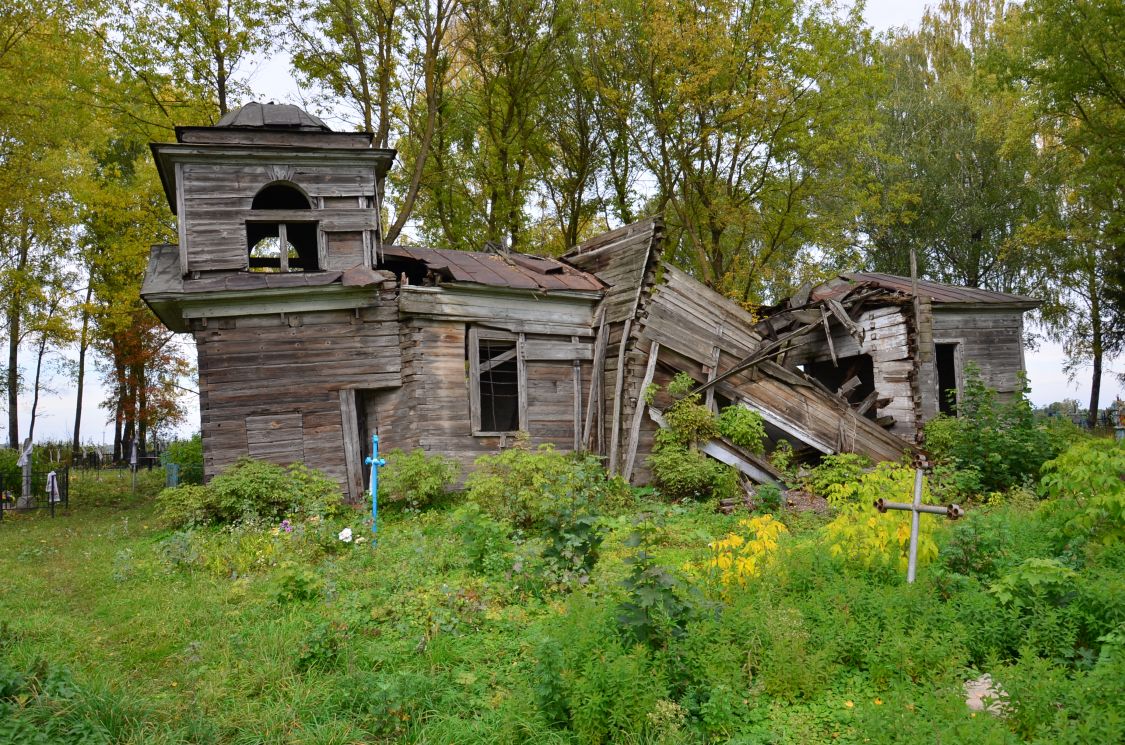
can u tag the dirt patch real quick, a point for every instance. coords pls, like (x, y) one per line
(805, 501)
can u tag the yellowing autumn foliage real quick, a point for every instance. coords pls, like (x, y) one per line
(861, 536)
(736, 559)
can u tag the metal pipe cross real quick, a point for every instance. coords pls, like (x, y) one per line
(916, 508)
(376, 463)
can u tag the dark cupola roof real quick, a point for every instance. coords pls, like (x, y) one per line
(273, 116)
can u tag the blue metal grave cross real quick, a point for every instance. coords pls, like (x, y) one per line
(376, 463)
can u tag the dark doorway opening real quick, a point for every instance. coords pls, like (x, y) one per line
(947, 377)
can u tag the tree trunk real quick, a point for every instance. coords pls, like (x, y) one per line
(13, 382)
(221, 76)
(83, 345)
(35, 394)
(1096, 353)
(15, 309)
(141, 392)
(119, 408)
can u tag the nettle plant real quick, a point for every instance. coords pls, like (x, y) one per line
(680, 470)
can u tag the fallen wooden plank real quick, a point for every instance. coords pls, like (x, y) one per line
(638, 413)
(596, 374)
(828, 335)
(849, 385)
(615, 424)
(867, 403)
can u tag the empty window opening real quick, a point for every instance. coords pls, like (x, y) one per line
(499, 385)
(836, 377)
(947, 377)
(265, 238)
(280, 197)
(266, 254)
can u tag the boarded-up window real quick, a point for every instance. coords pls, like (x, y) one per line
(498, 382)
(277, 438)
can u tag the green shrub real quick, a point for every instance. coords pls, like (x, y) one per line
(528, 487)
(573, 540)
(188, 455)
(593, 681)
(187, 505)
(768, 498)
(680, 385)
(654, 610)
(1002, 442)
(976, 547)
(952, 484)
(743, 427)
(784, 459)
(294, 583)
(415, 478)
(679, 469)
(835, 471)
(861, 536)
(251, 490)
(1089, 475)
(9, 472)
(690, 421)
(682, 472)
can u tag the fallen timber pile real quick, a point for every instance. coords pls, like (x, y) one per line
(804, 409)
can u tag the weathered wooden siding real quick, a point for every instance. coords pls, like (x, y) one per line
(343, 250)
(432, 408)
(625, 260)
(889, 340)
(215, 202)
(259, 376)
(993, 339)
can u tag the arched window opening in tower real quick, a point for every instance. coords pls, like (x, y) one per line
(266, 238)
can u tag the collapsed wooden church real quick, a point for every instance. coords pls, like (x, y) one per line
(312, 335)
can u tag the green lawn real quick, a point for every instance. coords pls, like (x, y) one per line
(145, 636)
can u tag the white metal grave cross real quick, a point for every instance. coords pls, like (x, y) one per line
(951, 511)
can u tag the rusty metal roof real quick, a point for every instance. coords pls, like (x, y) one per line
(517, 271)
(942, 294)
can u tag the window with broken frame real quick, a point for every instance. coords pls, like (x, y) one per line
(497, 382)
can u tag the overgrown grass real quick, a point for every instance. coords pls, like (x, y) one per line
(116, 630)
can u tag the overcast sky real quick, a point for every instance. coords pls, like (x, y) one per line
(272, 82)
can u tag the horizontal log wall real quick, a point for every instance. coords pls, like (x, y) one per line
(264, 379)
(431, 409)
(216, 200)
(991, 339)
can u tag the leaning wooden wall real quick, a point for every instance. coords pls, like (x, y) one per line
(627, 260)
(270, 384)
